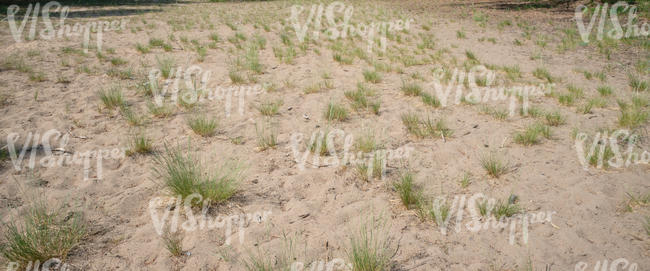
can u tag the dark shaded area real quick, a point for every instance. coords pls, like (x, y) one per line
(520, 5)
(535, 4)
(82, 3)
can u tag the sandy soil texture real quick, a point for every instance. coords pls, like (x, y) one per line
(308, 142)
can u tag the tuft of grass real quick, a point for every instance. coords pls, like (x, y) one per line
(41, 235)
(165, 65)
(335, 112)
(258, 262)
(412, 123)
(411, 89)
(360, 99)
(576, 92)
(408, 193)
(429, 127)
(605, 90)
(505, 208)
(235, 77)
(530, 136)
(471, 57)
(203, 126)
(512, 72)
(555, 119)
(494, 166)
(143, 49)
(140, 144)
(118, 61)
(542, 73)
(266, 137)
(372, 76)
(131, 117)
(37, 76)
(367, 142)
(607, 154)
(466, 180)
(500, 114)
(183, 175)
(160, 111)
(370, 248)
(636, 83)
(173, 243)
(633, 117)
(112, 98)
(430, 99)
(270, 108)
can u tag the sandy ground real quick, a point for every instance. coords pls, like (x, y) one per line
(318, 209)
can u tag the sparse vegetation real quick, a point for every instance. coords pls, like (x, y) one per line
(42, 234)
(494, 166)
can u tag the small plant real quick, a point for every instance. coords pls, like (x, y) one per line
(370, 248)
(636, 83)
(118, 61)
(531, 135)
(466, 180)
(439, 212)
(235, 77)
(566, 99)
(43, 234)
(506, 209)
(605, 90)
(258, 262)
(372, 76)
(412, 123)
(576, 92)
(266, 137)
(430, 99)
(411, 89)
(270, 108)
(112, 98)
(140, 144)
(555, 119)
(203, 126)
(173, 243)
(407, 191)
(183, 176)
(142, 48)
(335, 112)
(162, 111)
(633, 117)
(361, 99)
(165, 65)
(367, 143)
(543, 74)
(494, 166)
(606, 155)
